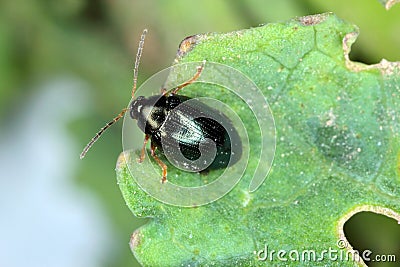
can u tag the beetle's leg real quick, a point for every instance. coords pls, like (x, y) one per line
(191, 80)
(160, 163)
(142, 153)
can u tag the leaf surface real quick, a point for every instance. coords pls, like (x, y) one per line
(337, 151)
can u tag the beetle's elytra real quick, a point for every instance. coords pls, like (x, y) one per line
(178, 125)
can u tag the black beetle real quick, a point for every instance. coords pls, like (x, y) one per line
(178, 128)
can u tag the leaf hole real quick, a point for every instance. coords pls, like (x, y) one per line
(377, 233)
(359, 54)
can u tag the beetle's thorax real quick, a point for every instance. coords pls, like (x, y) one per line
(149, 112)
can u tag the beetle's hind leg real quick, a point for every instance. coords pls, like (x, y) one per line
(160, 163)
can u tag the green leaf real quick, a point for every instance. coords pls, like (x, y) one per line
(337, 151)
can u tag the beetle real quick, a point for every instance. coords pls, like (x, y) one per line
(178, 128)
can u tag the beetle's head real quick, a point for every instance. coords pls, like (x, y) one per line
(136, 107)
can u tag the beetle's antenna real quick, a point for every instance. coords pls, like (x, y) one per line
(137, 61)
(102, 130)
(121, 114)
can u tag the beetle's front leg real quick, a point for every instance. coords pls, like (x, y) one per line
(142, 153)
(191, 80)
(160, 163)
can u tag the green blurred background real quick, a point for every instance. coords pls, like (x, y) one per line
(66, 69)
